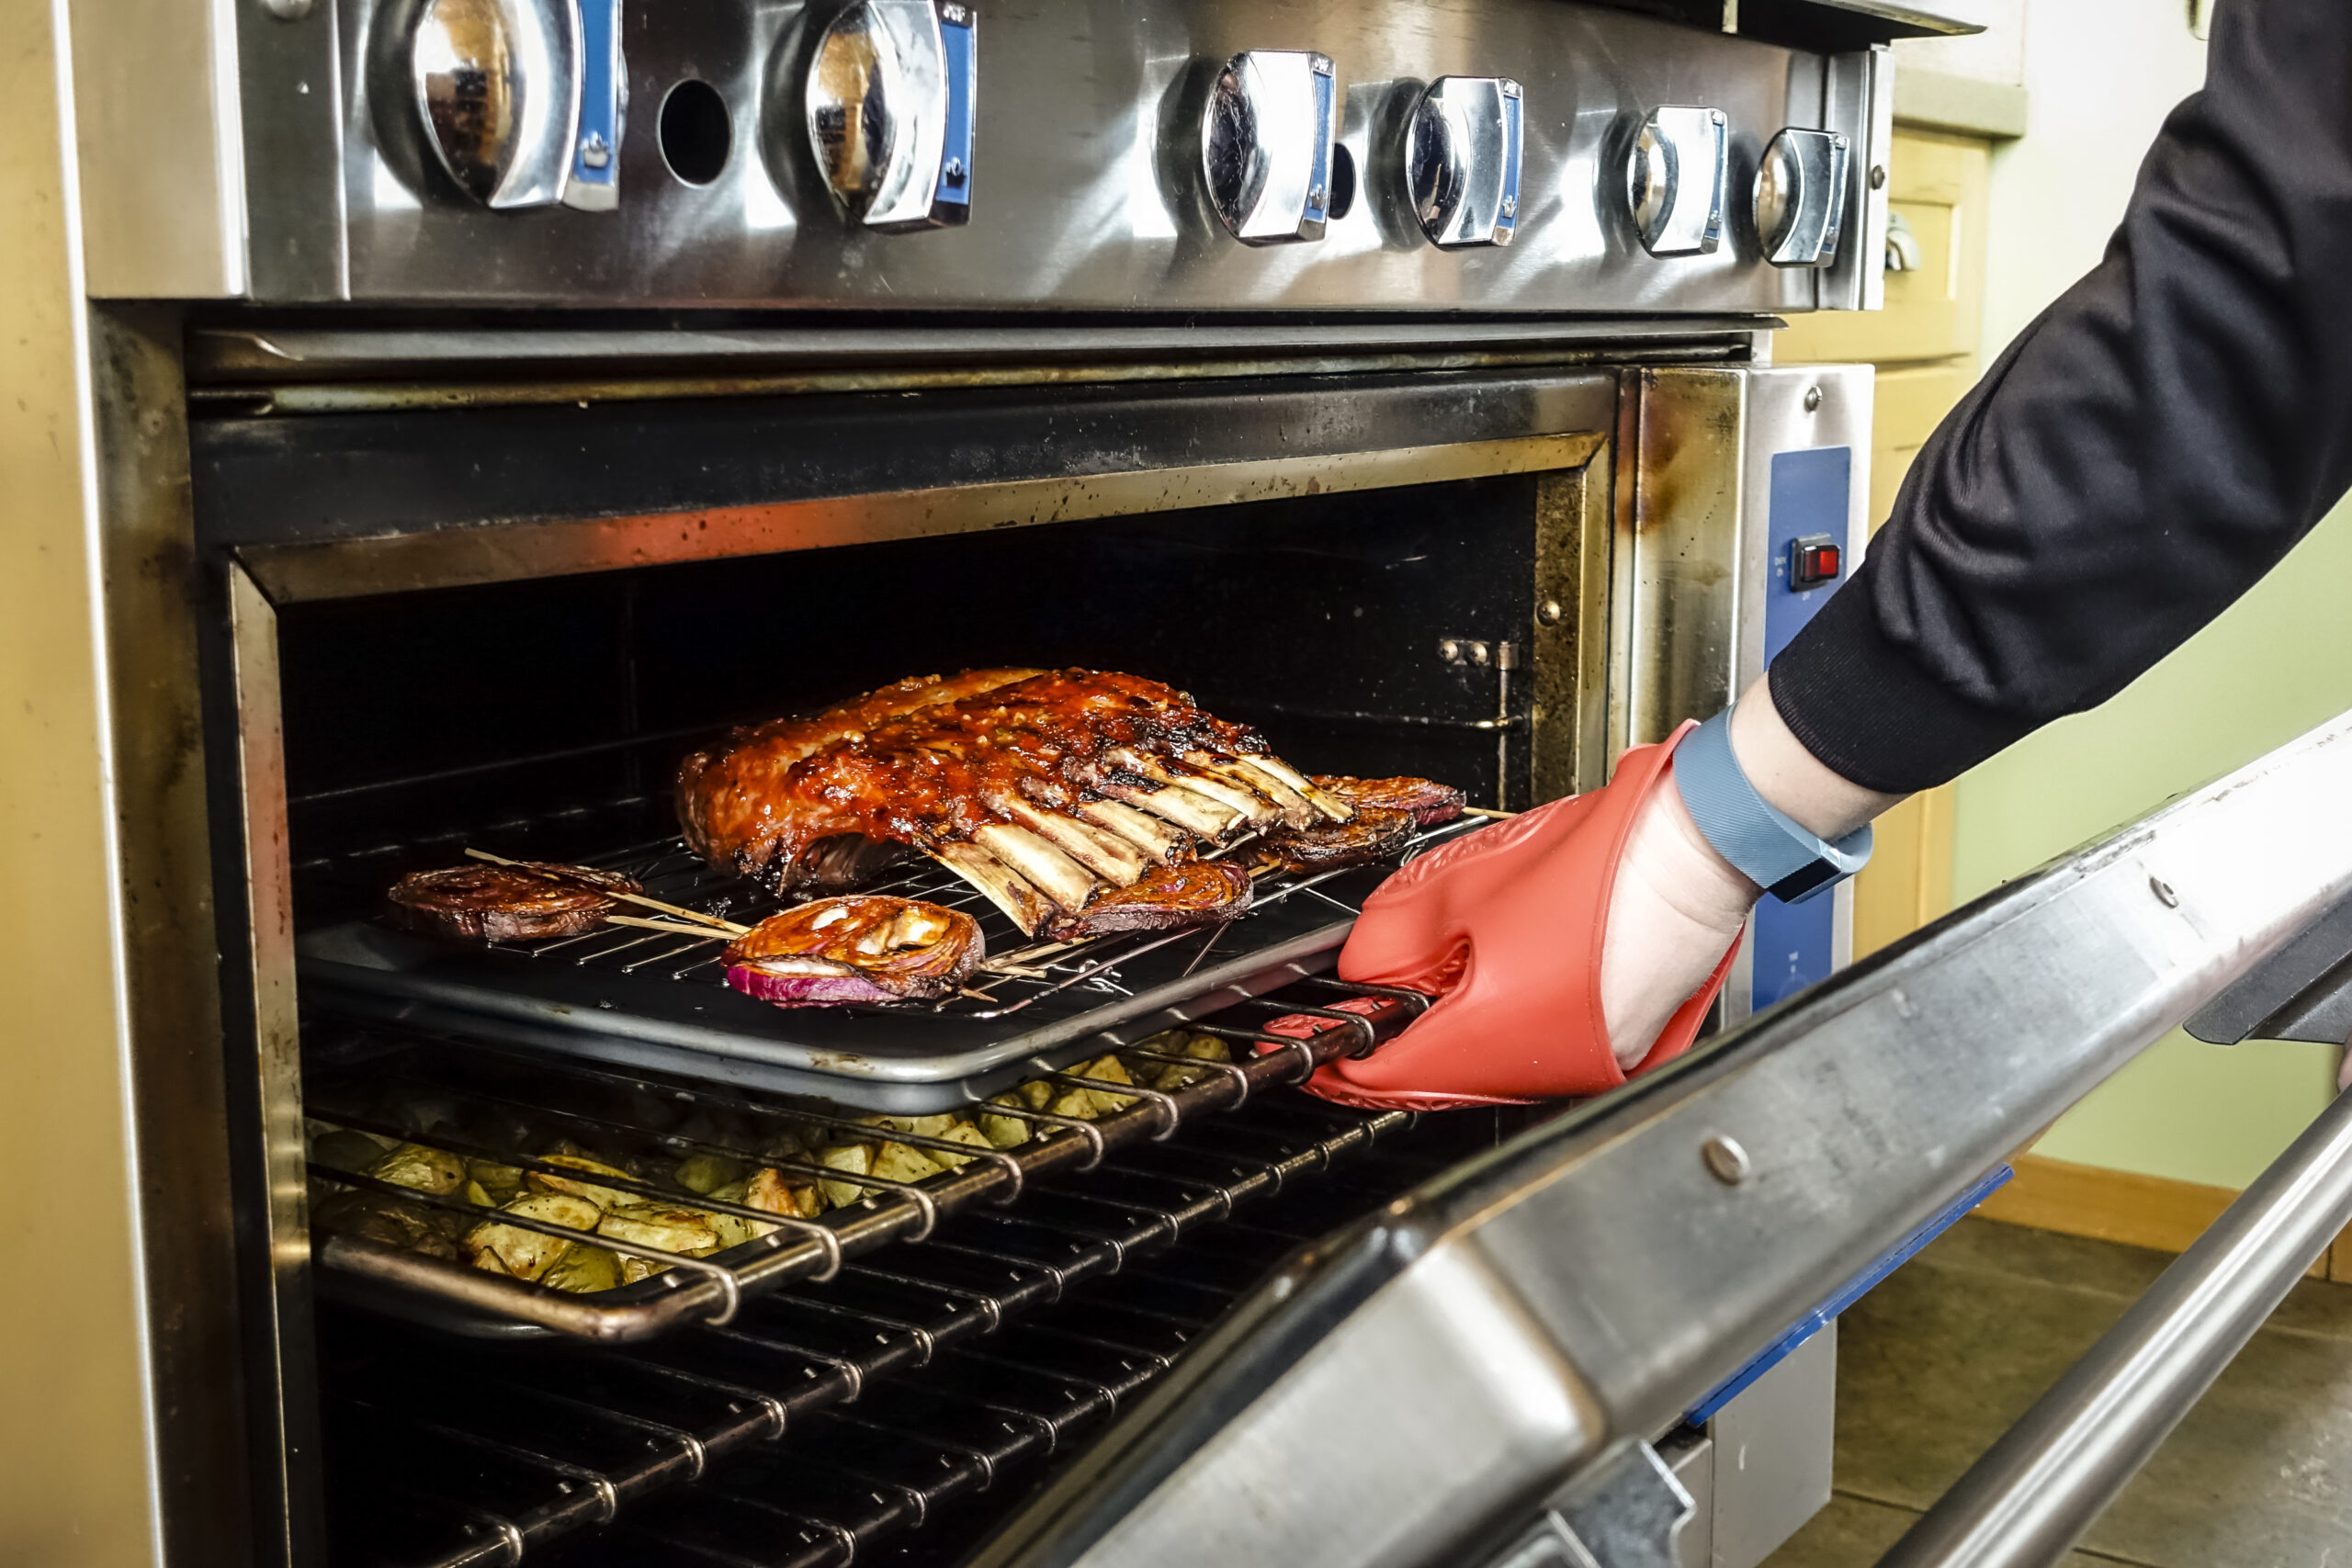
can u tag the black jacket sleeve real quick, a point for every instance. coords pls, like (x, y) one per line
(2143, 452)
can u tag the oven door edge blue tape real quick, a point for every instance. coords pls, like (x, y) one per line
(1854, 1290)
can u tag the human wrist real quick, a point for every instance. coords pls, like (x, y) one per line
(1688, 871)
(1676, 906)
(1791, 778)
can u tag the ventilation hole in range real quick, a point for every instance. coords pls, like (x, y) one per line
(696, 132)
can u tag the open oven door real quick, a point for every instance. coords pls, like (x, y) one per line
(1477, 1374)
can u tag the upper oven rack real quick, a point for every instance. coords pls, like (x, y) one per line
(654, 1000)
(581, 1099)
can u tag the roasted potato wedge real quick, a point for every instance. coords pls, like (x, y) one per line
(427, 1171)
(527, 1254)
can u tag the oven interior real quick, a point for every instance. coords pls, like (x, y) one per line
(894, 1410)
(413, 719)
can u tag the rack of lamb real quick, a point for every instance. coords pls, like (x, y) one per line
(1079, 801)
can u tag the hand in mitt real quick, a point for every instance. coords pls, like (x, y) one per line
(1601, 918)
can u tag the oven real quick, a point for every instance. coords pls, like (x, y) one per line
(497, 400)
(1439, 571)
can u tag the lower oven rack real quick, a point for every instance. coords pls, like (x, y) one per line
(821, 1424)
(652, 1114)
(654, 1000)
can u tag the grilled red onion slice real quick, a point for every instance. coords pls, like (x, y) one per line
(1430, 801)
(869, 949)
(1203, 893)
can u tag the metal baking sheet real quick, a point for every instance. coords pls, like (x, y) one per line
(657, 1001)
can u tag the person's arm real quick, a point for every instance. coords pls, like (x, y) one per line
(2144, 452)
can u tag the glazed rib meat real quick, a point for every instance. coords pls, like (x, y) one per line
(1045, 789)
(1429, 802)
(522, 902)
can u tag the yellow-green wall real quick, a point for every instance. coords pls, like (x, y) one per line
(2101, 76)
(2274, 664)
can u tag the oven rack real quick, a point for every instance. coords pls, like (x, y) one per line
(626, 1114)
(882, 1395)
(1020, 973)
(654, 1001)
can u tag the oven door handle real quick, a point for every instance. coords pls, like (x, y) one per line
(2026, 1501)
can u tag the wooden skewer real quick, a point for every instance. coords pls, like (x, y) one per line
(703, 931)
(729, 927)
(1042, 950)
(1017, 961)
(1487, 811)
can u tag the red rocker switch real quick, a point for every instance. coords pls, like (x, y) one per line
(1813, 560)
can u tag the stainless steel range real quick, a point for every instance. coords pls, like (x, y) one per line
(491, 400)
(1515, 155)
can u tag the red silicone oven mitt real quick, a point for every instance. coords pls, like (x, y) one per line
(1504, 927)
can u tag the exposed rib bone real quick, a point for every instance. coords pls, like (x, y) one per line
(1256, 808)
(1107, 855)
(1322, 799)
(1193, 813)
(1027, 906)
(1044, 867)
(1297, 811)
(1153, 837)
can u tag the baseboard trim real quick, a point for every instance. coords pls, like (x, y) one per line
(2153, 1211)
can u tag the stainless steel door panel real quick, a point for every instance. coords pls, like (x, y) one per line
(1796, 407)
(1444, 1405)
(1772, 1449)
(1086, 193)
(1699, 544)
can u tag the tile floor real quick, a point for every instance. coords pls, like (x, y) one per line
(1936, 1363)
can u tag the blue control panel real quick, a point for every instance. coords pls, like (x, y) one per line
(1811, 497)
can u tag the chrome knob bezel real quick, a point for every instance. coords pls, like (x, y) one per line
(1269, 133)
(1464, 146)
(522, 101)
(1675, 173)
(1799, 199)
(888, 105)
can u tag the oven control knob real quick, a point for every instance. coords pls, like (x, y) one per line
(1674, 181)
(1462, 150)
(522, 100)
(1267, 140)
(1801, 197)
(890, 101)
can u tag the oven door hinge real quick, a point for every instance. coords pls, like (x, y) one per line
(1624, 1512)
